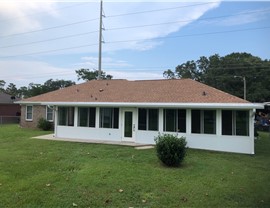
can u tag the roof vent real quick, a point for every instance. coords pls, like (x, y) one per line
(101, 90)
(204, 93)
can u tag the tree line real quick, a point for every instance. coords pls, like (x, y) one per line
(228, 73)
(225, 73)
(50, 85)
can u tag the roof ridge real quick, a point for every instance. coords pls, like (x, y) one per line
(154, 80)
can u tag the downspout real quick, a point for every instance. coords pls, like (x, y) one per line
(251, 131)
(55, 118)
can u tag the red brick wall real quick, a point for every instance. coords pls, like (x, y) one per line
(39, 111)
(9, 109)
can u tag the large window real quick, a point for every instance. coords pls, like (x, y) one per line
(148, 119)
(235, 123)
(203, 121)
(109, 118)
(174, 120)
(49, 114)
(29, 113)
(66, 116)
(87, 117)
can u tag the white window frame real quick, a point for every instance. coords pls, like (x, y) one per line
(47, 114)
(234, 124)
(102, 117)
(26, 113)
(202, 122)
(148, 118)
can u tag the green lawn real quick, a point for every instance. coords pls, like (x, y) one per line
(39, 173)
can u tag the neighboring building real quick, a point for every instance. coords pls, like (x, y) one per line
(137, 111)
(9, 111)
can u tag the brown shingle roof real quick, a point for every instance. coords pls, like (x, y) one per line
(144, 91)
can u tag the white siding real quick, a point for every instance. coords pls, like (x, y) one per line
(217, 142)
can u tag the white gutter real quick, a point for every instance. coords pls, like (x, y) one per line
(164, 105)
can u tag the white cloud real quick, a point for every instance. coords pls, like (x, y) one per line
(134, 36)
(21, 16)
(242, 18)
(33, 16)
(245, 17)
(138, 38)
(22, 73)
(91, 62)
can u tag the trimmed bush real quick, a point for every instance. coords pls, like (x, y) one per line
(171, 150)
(44, 124)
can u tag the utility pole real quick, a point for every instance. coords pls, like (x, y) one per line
(245, 85)
(100, 40)
(245, 88)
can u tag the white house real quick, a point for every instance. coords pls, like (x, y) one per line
(137, 111)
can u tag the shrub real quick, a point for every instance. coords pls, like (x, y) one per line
(171, 150)
(44, 124)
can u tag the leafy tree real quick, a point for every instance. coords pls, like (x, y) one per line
(187, 70)
(226, 73)
(220, 72)
(2, 85)
(51, 85)
(11, 89)
(48, 86)
(35, 89)
(86, 74)
(23, 92)
(169, 74)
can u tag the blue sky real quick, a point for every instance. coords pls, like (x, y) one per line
(40, 40)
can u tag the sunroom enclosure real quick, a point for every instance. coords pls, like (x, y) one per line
(227, 129)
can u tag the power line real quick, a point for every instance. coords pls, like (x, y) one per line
(47, 40)
(84, 21)
(162, 67)
(149, 39)
(49, 51)
(34, 13)
(190, 35)
(49, 28)
(40, 75)
(158, 10)
(130, 27)
(189, 20)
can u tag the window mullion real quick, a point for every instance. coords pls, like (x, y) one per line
(233, 123)
(202, 121)
(165, 120)
(147, 119)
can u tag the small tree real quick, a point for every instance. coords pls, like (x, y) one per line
(171, 150)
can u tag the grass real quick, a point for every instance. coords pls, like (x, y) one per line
(38, 173)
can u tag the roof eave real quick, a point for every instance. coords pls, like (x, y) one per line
(164, 105)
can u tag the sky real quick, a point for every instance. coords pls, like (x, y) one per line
(41, 40)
